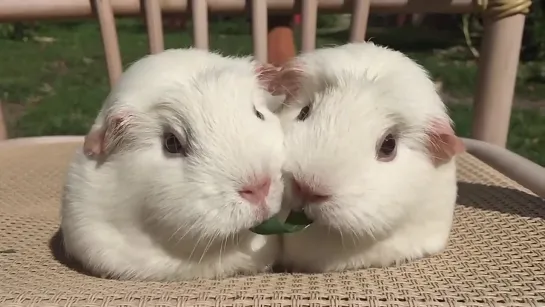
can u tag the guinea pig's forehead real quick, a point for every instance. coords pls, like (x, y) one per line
(224, 94)
(334, 96)
(361, 109)
(225, 76)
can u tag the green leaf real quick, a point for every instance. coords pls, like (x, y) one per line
(298, 218)
(296, 221)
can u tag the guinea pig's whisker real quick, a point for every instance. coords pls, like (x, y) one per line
(176, 231)
(334, 216)
(353, 234)
(226, 243)
(205, 250)
(236, 239)
(186, 232)
(371, 233)
(194, 248)
(223, 240)
(214, 236)
(223, 243)
(342, 239)
(208, 245)
(233, 237)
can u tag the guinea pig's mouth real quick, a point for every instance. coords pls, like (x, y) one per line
(295, 222)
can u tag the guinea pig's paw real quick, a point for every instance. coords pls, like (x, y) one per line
(433, 246)
(406, 250)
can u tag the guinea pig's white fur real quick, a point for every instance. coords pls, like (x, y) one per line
(146, 215)
(379, 213)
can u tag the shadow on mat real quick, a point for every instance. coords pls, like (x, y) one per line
(57, 249)
(500, 199)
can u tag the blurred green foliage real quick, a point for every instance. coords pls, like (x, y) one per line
(533, 45)
(18, 31)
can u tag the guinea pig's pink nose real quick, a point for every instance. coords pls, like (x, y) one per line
(308, 193)
(256, 192)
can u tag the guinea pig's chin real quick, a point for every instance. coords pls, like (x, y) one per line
(249, 218)
(335, 218)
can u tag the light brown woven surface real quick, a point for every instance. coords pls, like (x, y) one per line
(496, 254)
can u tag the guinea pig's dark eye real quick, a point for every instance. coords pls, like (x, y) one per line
(304, 113)
(388, 148)
(259, 114)
(172, 144)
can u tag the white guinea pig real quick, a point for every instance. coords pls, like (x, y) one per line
(369, 149)
(182, 160)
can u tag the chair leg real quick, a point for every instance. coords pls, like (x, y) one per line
(280, 40)
(498, 63)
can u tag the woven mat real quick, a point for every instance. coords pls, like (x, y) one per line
(496, 254)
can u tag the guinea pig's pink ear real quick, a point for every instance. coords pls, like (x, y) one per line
(92, 144)
(284, 80)
(443, 144)
(103, 139)
(267, 74)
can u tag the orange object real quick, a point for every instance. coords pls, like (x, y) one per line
(281, 45)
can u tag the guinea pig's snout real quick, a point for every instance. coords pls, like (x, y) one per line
(256, 192)
(308, 193)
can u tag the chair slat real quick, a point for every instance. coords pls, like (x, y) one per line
(309, 17)
(259, 29)
(154, 23)
(358, 24)
(109, 39)
(200, 23)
